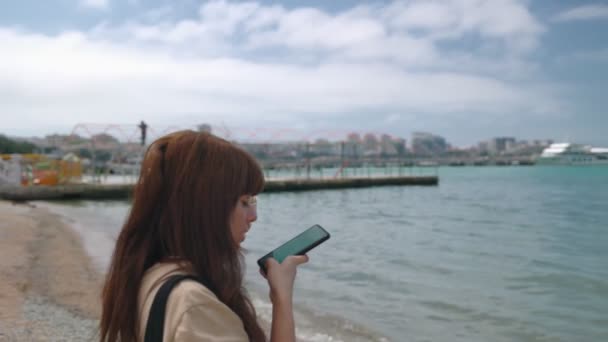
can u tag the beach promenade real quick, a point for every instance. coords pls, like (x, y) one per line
(123, 191)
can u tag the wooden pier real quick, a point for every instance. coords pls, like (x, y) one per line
(123, 191)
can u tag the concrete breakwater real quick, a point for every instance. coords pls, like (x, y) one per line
(123, 191)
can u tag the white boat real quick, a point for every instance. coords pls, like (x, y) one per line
(573, 154)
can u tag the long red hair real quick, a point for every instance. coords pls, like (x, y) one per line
(188, 186)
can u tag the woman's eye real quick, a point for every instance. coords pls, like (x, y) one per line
(249, 201)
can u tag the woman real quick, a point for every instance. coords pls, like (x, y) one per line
(192, 207)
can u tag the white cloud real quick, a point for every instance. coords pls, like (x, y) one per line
(96, 4)
(424, 15)
(225, 17)
(310, 28)
(390, 32)
(586, 12)
(245, 62)
(507, 20)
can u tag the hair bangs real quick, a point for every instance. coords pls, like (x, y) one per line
(253, 176)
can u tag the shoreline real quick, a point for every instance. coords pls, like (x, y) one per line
(49, 287)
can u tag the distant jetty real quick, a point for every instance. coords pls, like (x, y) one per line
(123, 191)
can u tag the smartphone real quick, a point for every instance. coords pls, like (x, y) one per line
(299, 245)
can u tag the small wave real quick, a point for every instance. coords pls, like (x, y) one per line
(544, 264)
(421, 266)
(354, 276)
(495, 320)
(447, 307)
(438, 318)
(560, 281)
(313, 326)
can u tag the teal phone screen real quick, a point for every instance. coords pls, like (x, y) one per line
(299, 243)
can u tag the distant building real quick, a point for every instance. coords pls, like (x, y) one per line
(323, 147)
(390, 146)
(353, 138)
(285, 150)
(370, 144)
(510, 145)
(427, 144)
(483, 147)
(499, 145)
(353, 145)
(10, 169)
(105, 140)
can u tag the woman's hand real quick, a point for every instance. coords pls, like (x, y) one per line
(281, 276)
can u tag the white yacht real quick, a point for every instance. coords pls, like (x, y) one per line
(573, 154)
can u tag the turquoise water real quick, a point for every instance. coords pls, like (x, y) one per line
(491, 254)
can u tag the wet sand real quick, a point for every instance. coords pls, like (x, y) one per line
(49, 288)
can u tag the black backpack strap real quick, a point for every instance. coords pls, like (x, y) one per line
(156, 320)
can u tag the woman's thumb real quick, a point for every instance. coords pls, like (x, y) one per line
(271, 262)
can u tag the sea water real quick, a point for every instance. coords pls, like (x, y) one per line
(491, 254)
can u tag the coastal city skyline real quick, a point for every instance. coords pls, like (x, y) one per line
(358, 143)
(129, 133)
(465, 70)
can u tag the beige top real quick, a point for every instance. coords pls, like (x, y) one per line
(193, 312)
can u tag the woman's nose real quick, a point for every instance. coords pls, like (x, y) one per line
(253, 215)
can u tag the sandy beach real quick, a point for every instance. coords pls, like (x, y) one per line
(49, 285)
(49, 288)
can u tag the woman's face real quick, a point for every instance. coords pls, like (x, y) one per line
(243, 214)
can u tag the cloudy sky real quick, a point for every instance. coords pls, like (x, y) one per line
(465, 69)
